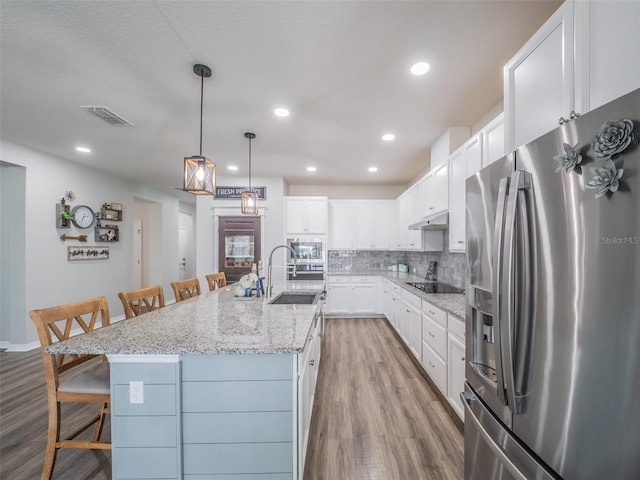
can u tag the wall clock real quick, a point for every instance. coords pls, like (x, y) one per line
(83, 216)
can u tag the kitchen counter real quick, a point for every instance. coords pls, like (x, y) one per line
(213, 323)
(453, 303)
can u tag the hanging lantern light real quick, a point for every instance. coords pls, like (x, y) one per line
(249, 198)
(199, 171)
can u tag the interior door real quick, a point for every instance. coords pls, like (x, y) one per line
(183, 243)
(239, 240)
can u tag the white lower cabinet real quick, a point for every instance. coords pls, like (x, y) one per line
(308, 364)
(434, 344)
(455, 364)
(354, 295)
(411, 323)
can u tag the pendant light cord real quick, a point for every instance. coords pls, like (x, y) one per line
(201, 98)
(249, 164)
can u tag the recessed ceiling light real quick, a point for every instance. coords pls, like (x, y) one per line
(281, 112)
(311, 169)
(83, 149)
(420, 68)
(387, 137)
(373, 169)
(233, 168)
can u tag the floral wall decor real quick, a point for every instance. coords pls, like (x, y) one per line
(613, 138)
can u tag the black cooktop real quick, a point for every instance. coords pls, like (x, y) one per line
(435, 287)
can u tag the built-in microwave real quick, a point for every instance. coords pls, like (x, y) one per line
(309, 258)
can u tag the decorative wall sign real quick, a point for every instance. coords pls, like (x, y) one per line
(87, 253)
(229, 193)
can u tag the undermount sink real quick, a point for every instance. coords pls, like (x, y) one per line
(290, 298)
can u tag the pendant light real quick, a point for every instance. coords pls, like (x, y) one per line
(249, 198)
(199, 171)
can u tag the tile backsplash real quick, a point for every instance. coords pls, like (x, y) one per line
(452, 267)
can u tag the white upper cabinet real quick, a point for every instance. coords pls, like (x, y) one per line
(585, 55)
(493, 141)
(306, 215)
(343, 224)
(435, 191)
(372, 224)
(538, 81)
(463, 163)
(607, 58)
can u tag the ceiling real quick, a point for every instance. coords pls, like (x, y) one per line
(340, 67)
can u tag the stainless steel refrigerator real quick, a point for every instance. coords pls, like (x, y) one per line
(553, 305)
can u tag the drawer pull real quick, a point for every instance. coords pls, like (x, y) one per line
(462, 359)
(312, 362)
(432, 312)
(432, 335)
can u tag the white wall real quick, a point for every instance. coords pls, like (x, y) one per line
(12, 253)
(369, 192)
(49, 277)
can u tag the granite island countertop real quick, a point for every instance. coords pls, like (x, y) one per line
(453, 303)
(213, 323)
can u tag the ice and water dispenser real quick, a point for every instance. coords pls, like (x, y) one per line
(481, 340)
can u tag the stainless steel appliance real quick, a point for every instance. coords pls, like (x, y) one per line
(309, 255)
(553, 311)
(435, 287)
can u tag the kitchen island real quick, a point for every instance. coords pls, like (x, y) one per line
(215, 387)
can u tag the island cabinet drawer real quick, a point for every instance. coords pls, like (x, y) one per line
(152, 431)
(200, 368)
(435, 313)
(265, 396)
(158, 373)
(145, 463)
(157, 400)
(238, 458)
(435, 335)
(233, 427)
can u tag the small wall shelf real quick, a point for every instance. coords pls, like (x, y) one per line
(60, 221)
(107, 233)
(111, 212)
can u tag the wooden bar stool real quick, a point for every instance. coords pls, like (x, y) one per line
(142, 300)
(69, 377)
(216, 280)
(185, 289)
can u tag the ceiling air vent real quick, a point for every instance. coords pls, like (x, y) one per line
(107, 115)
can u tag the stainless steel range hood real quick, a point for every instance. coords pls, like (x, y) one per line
(435, 222)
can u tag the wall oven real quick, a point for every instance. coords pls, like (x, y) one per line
(309, 258)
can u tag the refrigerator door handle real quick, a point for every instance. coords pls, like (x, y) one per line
(520, 182)
(467, 401)
(498, 282)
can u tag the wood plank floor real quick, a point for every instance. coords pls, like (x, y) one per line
(375, 416)
(23, 425)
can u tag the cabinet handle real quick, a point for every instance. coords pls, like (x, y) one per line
(430, 208)
(312, 362)
(460, 242)
(462, 359)
(573, 115)
(432, 312)
(432, 335)
(562, 121)
(432, 365)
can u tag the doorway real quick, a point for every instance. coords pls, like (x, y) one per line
(186, 247)
(239, 244)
